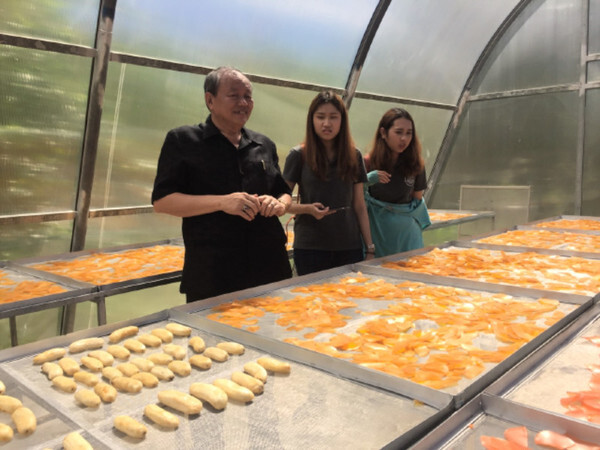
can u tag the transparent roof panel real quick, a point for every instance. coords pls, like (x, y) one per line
(593, 71)
(426, 49)
(546, 34)
(305, 40)
(431, 125)
(64, 21)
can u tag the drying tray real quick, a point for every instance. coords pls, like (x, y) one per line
(308, 408)
(52, 425)
(572, 305)
(134, 283)
(488, 415)
(540, 224)
(558, 248)
(75, 291)
(465, 244)
(469, 216)
(560, 368)
(530, 393)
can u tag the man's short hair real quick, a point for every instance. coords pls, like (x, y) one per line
(213, 79)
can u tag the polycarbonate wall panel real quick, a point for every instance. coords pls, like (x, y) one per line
(591, 159)
(593, 71)
(594, 27)
(28, 240)
(115, 231)
(307, 40)
(31, 327)
(426, 49)
(520, 141)
(141, 105)
(542, 48)
(43, 99)
(71, 21)
(430, 124)
(281, 114)
(138, 303)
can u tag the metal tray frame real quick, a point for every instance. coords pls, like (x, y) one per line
(543, 355)
(493, 402)
(584, 302)
(454, 413)
(470, 419)
(14, 354)
(69, 300)
(567, 217)
(121, 286)
(463, 243)
(560, 230)
(77, 292)
(472, 243)
(52, 424)
(473, 215)
(350, 370)
(345, 369)
(73, 288)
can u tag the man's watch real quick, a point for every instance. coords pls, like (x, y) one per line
(371, 248)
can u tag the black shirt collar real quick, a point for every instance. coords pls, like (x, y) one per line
(211, 130)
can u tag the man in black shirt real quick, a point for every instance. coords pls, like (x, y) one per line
(225, 182)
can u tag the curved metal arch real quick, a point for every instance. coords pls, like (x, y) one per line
(363, 50)
(91, 135)
(450, 135)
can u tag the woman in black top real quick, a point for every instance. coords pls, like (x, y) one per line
(397, 181)
(331, 219)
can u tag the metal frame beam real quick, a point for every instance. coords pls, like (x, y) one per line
(92, 125)
(49, 46)
(363, 50)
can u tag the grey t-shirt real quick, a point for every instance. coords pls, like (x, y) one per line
(338, 231)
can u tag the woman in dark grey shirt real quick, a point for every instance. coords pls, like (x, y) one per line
(331, 227)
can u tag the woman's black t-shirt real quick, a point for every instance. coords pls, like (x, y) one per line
(400, 187)
(338, 231)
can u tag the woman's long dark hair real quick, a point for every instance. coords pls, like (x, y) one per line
(381, 158)
(313, 150)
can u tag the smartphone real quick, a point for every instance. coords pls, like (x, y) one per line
(341, 208)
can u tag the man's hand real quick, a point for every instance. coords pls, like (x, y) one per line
(241, 204)
(270, 206)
